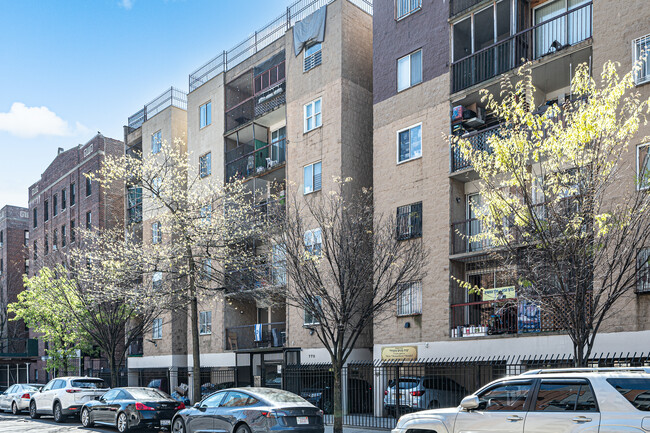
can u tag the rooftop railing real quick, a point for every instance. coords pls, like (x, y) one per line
(171, 97)
(262, 38)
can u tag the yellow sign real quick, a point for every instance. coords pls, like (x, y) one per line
(399, 353)
(499, 293)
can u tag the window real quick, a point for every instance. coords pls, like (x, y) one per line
(312, 310)
(156, 329)
(46, 245)
(409, 299)
(206, 214)
(205, 322)
(406, 7)
(205, 115)
(409, 221)
(2, 238)
(409, 143)
(409, 70)
(156, 235)
(89, 187)
(73, 194)
(55, 205)
(206, 273)
(313, 56)
(156, 142)
(279, 263)
(236, 399)
(35, 217)
(73, 233)
(205, 165)
(314, 241)
(268, 79)
(643, 270)
(46, 210)
(55, 240)
(63, 237)
(64, 194)
(643, 166)
(468, 38)
(35, 250)
(156, 182)
(134, 204)
(313, 117)
(509, 397)
(2, 266)
(641, 48)
(565, 396)
(89, 220)
(156, 280)
(214, 400)
(313, 177)
(563, 30)
(635, 390)
(26, 238)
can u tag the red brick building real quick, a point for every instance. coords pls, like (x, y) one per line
(64, 200)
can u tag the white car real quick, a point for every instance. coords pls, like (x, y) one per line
(421, 392)
(16, 397)
(596, 400)
(64, 396)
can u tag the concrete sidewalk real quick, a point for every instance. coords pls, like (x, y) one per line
(328, 429)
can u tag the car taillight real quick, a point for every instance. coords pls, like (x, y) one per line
(386, 392)
(180, 406)
(72, 390)
(25, 396)
(417, 393)
(140, 406)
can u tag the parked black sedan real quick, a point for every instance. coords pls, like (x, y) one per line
(244, 410)
(126, 408)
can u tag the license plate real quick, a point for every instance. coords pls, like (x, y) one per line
(164, 422)
(302, 420)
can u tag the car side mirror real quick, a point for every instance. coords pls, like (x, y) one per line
(470, 402)
(197, 405)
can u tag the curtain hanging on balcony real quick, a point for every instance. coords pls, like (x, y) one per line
(310, 30)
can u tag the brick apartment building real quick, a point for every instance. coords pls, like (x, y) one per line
(454, 50)
(64, 200)
(17, 351)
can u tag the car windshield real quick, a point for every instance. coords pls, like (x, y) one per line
(88, 383)
(405, 383)
(636, 391)
(279, 396)
(147, 393)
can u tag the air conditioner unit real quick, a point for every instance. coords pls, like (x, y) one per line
(475, 119)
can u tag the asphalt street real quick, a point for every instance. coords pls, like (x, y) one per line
(24, 424)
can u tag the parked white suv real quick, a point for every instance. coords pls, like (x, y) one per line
(64, 396)
(593, 400)
(421, 392)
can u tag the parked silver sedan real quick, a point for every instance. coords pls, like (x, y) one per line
(246, 410)
(16, 397)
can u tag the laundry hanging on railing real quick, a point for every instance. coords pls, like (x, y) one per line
(309, 30)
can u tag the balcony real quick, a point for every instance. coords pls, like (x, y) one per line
(458, 6)
(461, 233)
(136, 348)
(258, 336)
(18, 347)
(479, 140)
(540, 40)
(501, 316)
(254, 158)
(260, 277)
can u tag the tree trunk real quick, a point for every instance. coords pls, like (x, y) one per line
(338, 400)
(114, 370)
(579, 355)
(196, 353)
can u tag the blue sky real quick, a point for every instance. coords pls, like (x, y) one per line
(71, 68)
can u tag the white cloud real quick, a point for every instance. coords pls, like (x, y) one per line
(126, 4)
(30, 122)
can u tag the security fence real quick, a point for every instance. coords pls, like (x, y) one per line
(376, 394)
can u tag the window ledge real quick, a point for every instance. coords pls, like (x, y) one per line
(313, 129)
(410, 87)
(409, 160)
(408, 315)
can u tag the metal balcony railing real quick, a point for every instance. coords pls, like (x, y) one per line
(18, 347)
(547, 37)
(171, 97)
(262, 38)
(461, 237)
(255, 336)
(479, 140)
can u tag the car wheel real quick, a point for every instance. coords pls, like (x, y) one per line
(179, 425)
(14, 408)
(243, 429)
(58, 414)
(122, 423)
(85, 418)
(32, 411)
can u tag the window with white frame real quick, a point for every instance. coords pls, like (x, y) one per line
(312, 177)
(156, 142)
(313, 116)
(205, 114)
(205, 165)
(314, 241)
(156, 280)
(313, 310)
(205, 322)
(409, 298)
(643, 166)
(406, 7)
(156, 234)
(156, 182)
(643, 270)
(156, 329)
(313, 56)
(409, 143)
(641, 47)
(409, 70)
